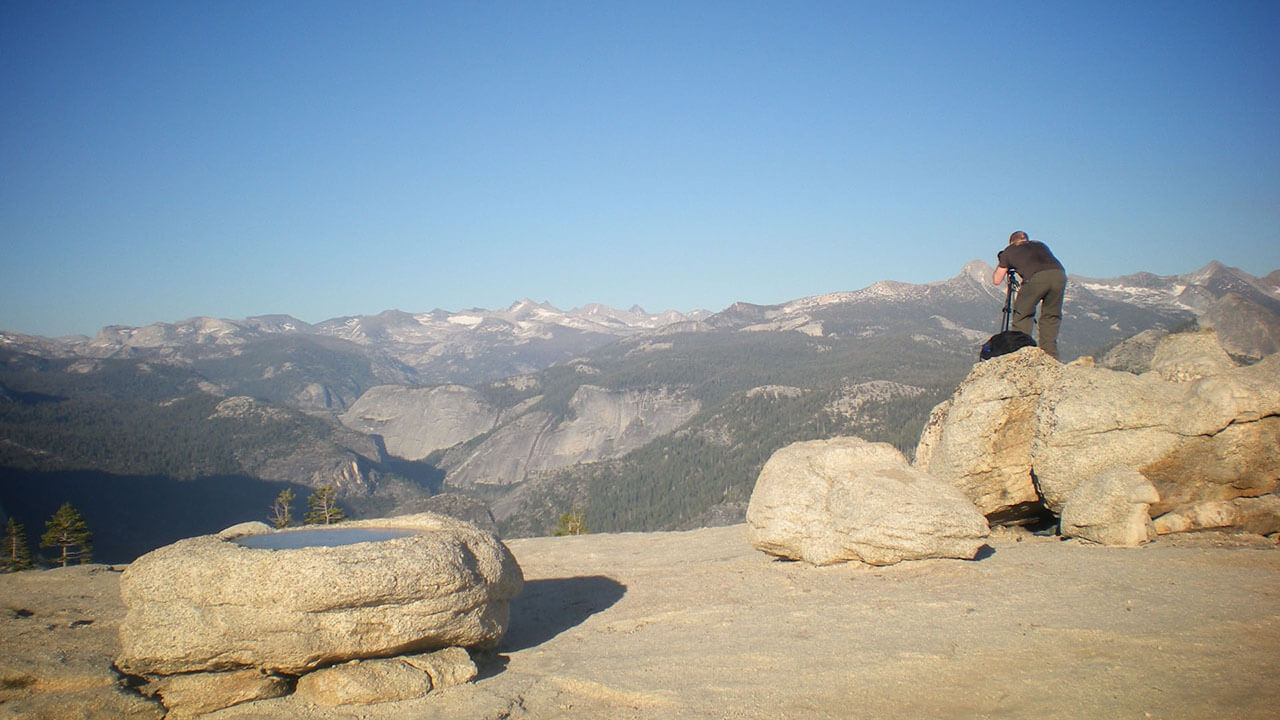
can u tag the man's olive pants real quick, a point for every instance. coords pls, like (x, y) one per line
(1046, 288)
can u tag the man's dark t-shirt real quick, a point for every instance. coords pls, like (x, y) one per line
(1028, 258)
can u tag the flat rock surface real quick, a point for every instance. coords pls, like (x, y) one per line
(699, 625)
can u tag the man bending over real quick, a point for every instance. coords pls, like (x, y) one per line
(1043, 282)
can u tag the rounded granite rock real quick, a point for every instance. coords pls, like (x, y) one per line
(209, 604)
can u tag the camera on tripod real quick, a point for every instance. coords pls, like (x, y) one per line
(1007, 340)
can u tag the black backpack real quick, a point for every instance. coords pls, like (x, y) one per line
(1006, 341)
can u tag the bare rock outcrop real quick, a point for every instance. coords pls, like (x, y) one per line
(1023, 432)
(1111, 509)
(698, 624)
(1187, 357)
(1133, 355)
(600, 424)
(980, 439)
(247, 608)
(831, 501)
(1245, 328)
(194, 694)
(414, 422)
(1258, 515)
(58, 633)
(1216, 438)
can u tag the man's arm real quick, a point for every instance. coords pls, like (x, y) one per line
(997, 277)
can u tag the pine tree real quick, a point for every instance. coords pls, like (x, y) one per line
(17, 555)
(324, 509)
(572, 522)
(281, 512)
(67, 530)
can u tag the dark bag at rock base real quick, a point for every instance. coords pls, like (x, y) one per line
(1003, 343)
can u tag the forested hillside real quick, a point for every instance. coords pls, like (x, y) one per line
(146, 453)
(761, 391)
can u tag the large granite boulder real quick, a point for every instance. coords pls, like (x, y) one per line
(211, 603)
(1023, 432)
(1111, 509)
(979, 440)
(1214, 438)
(830, 501)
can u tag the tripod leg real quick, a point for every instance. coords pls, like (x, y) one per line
(1008, 305)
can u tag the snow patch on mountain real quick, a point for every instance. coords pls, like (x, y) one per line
(1168, 296)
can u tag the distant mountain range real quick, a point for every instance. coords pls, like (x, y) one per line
(465, 347)
(645, 421)
(478, 345)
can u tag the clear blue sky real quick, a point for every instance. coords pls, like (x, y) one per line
(170, 159)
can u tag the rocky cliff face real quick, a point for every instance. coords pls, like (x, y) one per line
(488, 445)
(1247, 328)
(415, 422)
(600, 424)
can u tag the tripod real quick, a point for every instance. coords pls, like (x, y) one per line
(1006, 341)
(1008, 300)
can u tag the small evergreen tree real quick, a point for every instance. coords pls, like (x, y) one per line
(281, 511)
(17, 555)
(572, 522)
(324, 509)
(67, 531)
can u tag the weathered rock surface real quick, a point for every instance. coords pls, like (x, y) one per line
(1246, 328)
(980, 439)
(1023, 432)
(209, 604)
(830, 501)
(698, 625)
(195, 694)
(1212, 439)
(1112, 509)
(1259, 515)
(520, 441)
(414, 422)
(1133, 355)
(446, 668)
(370, 682)
(59, 632)
(363, 682)
(1186, 357)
